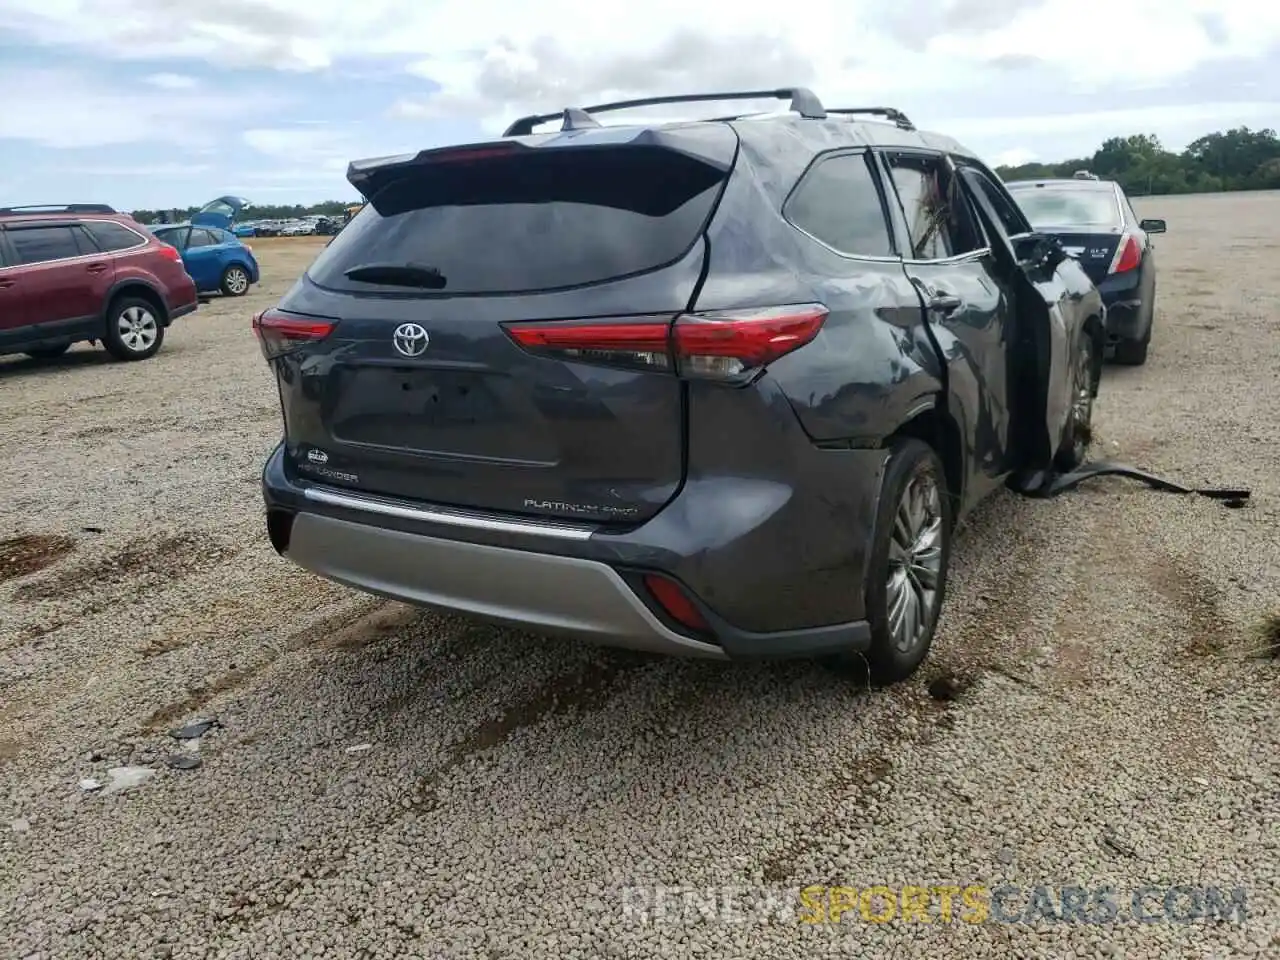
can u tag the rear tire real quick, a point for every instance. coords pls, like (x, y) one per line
(235, 281)
(47, 353)
(1079, 431)
(134, 330)
(1133, 353)
(907, 569)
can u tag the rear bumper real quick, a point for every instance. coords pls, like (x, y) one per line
(757, 587)
(543, 592)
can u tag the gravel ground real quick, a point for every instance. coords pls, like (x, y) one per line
(385, 782)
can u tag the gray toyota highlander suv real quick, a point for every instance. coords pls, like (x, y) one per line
(717, 388)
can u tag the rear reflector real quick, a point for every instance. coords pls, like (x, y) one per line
(675, 602)
(729, 345)
(1128, 256)
(278, 332)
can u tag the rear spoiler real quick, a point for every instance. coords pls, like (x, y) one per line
(371, 176)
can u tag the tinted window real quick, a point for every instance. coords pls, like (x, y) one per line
(201, 238)
(112, 236)
(934, 206)
(556, 219)
(41, 244)
(174, 236)
(1069, 206)
(838, 203)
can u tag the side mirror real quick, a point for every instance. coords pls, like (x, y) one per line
(1152, 226)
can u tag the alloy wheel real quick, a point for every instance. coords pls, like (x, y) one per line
(915, 562)
(138, 328)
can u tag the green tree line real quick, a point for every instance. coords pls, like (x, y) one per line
(1239, 159)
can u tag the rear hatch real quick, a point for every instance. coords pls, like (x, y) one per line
(1095, 251)
(419, 389)
(1085, 217)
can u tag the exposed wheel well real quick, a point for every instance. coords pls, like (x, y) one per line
(1097, 330)
(142, 292)
(936, 428)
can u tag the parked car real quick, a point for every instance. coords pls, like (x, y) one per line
(1096, 224)
(80, 272)
(810, 341)
(217, 259)
(245, 230)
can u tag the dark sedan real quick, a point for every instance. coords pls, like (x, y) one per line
(1096, 224)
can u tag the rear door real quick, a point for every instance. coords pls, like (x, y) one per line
(13, 305)
(64, 276)
(203, 258)
(967, 302)
(421, 392)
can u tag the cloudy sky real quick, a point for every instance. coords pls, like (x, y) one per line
(144, 103)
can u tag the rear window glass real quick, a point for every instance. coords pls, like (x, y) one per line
(562, 218)
(1068, 207)
(839, 204)
(112, 236)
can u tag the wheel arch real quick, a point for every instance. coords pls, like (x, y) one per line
(140, 289)
(1095, 328)
(933, 424)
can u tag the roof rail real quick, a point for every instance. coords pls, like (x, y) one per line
(59, 208)
(803, 102)
(889, 113)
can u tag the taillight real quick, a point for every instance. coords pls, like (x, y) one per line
(725, 345)
(170, 253)
(278, 333)
(1128, 256)
(675, 602)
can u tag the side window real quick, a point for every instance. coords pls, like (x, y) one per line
(938, 222)
(838, 203)
(1011, 218)
(200, 238)
(112, 236)
(42, 244)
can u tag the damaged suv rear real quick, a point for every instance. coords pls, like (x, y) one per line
(714, 388)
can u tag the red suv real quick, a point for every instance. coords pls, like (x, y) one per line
(85, 272)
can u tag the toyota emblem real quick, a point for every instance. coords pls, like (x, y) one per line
(410, 340)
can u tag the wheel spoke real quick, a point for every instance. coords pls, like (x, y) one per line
(897, 595)
(911, 620)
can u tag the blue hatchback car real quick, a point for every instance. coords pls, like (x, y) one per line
(215, 258)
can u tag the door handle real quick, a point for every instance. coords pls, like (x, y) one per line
(96, 267)
(943, 303)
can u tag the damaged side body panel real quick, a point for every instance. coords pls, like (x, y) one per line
(976, 345)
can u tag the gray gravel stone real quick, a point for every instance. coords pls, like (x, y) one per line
(520, 786)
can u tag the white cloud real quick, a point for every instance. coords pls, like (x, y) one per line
(320, 149)
(999, 60)
(1014, 158)
(70, 109)
(172, 81)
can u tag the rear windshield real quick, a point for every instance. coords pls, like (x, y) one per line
(1068, 207)
(562, 218)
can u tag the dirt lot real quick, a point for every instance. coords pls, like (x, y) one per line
(1110, 726)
